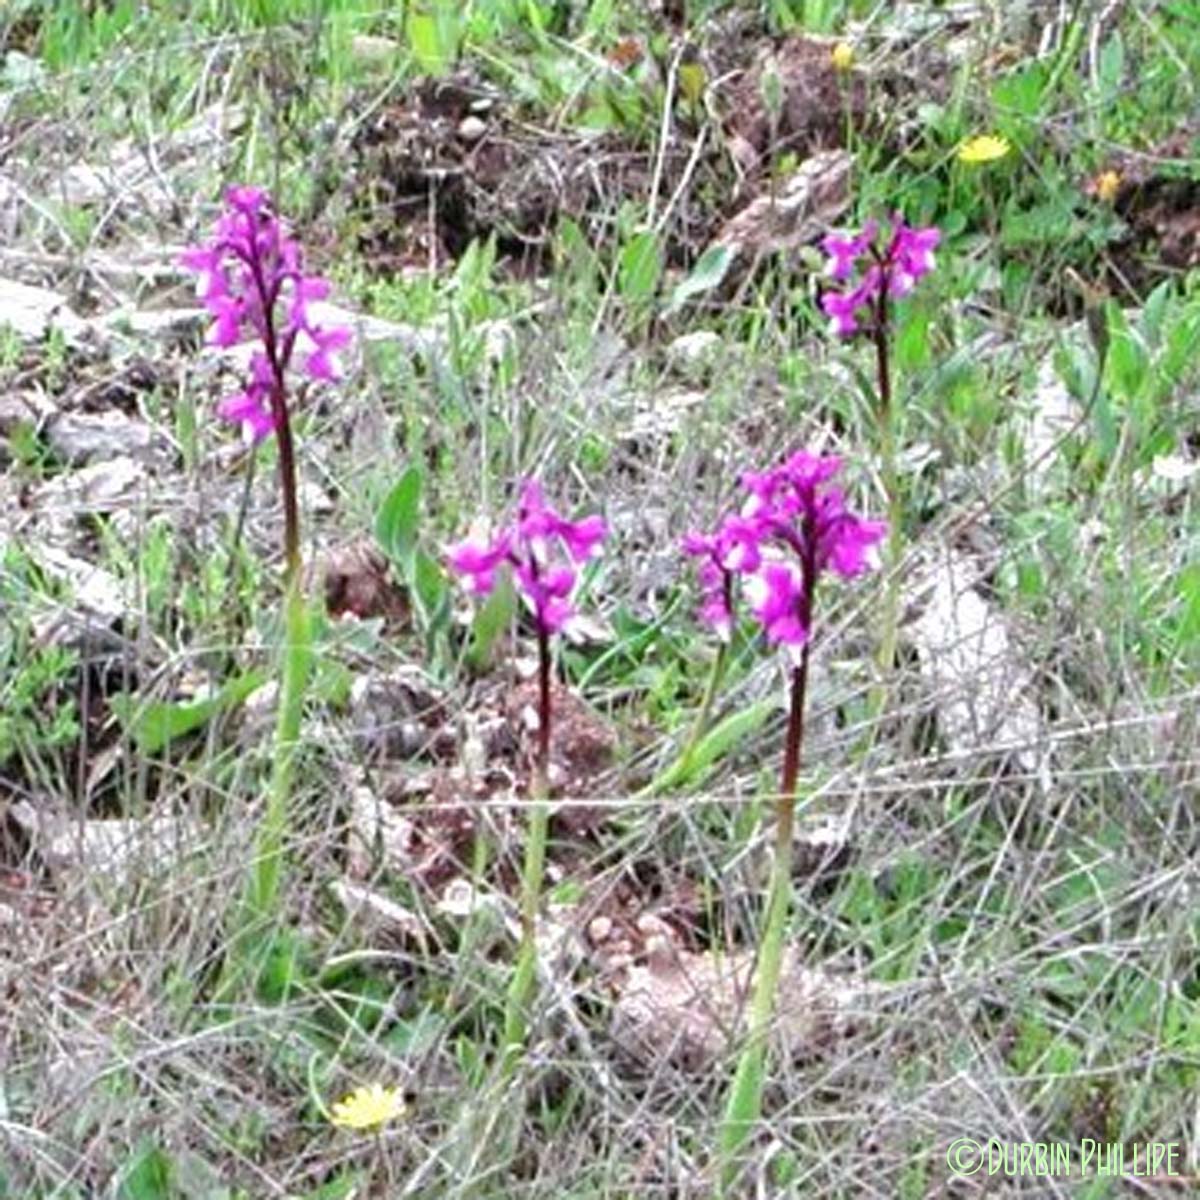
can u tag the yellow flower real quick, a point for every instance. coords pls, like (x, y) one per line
(842, 56)
(368, 1107)
(1106, 185)
(984, 149)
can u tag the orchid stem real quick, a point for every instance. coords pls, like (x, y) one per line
(261, 900)
(891, 486)
(521, 986)
(744, 1105)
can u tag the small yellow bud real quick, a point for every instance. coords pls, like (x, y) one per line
(842, 56)
(1106, 185)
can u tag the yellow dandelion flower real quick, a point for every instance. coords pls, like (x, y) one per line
(368, 1107)
(1106, 185)
(842, 56)
(983, 149)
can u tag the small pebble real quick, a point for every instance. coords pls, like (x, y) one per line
(472, 128)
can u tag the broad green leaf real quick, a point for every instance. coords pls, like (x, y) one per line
(692, 82)
(1183, 344)
(433, 33)
(154, 724)
(415, 1035)
(1187, 632)
(493, 617)
(640, 267)
(599, 16)
(398, 518)
(713, 746)
(574, 254)
(1155, 310)
(1127, 364)
(727, 733)
(707, 274)
(147, 1177)
(912, 342)
(1112, 65)
(1021, 92)
(432, 591)
(345, 1186)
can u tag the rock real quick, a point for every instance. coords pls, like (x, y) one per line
(378, 836)
(472, 128)
(808, 202)
(383, 917)
(978, 680)
(101, 487)
(389, 714)
(370, 48)
(687, 1010)
(694, 353)
(113, 853)
(81, 438)
(31, 312)
(157, 324)
(93, 590)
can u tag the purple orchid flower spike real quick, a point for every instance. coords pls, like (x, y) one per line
(793, 526)
(530, 546)
(776, 596)
(878, 272)
(250, 277)
(716, 583)
(844, 252)
(542, 548)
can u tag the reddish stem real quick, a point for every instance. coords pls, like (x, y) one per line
(278, 356)
(795, 730)
(542, 765)
(879, 335)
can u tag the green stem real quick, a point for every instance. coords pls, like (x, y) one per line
(297, 663)
(744, 1105)
(521, 986)
(261, 897)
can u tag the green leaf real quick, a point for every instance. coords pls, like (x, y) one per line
(727, 733)
(912, 342)
(712, 747)
(692, 82)
(398, 518)
(344, 1186)
(1154, 311)
(640, 267)
(417, 1035)
(493, 617)
(706, 275)
(1187, 631)
(1020, 94)
(148, 1176)
(433, 34)
(155, 723)
(1183, 344)
(1112, 65)
(431, 589)
(1128, 364)
(573, 254)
